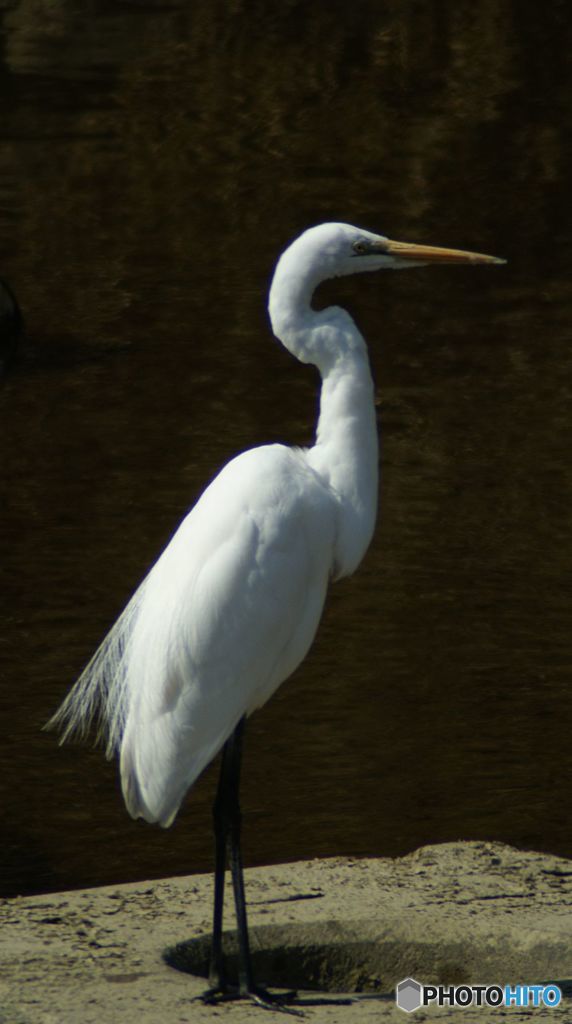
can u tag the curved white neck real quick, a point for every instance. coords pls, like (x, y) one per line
(345, 454)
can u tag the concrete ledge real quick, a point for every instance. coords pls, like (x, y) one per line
(458, 912)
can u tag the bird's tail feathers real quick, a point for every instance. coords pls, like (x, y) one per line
(99, 696)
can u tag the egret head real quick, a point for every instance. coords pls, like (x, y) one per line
(335, 250)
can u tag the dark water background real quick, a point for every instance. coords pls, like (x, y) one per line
(154, 160)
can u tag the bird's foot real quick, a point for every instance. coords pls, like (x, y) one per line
(281, 1001)
(278, 1001)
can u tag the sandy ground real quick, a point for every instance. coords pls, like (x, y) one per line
(453, 913)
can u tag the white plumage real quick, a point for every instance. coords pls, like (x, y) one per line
(232, 605)
(253, 559)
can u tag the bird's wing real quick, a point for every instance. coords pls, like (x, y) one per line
(225, 615)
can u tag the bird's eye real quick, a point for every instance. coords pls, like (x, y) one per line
(359, 247)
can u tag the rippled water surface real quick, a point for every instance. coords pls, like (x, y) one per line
(154, 160)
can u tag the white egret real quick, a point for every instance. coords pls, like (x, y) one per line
(231, 607)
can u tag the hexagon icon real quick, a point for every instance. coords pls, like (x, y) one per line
(408, 995)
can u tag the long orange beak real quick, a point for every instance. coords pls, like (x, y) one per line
(435, 254)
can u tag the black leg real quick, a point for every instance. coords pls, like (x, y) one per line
(227, 828)
(246, 980)
(225, 810)
(216, 971)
